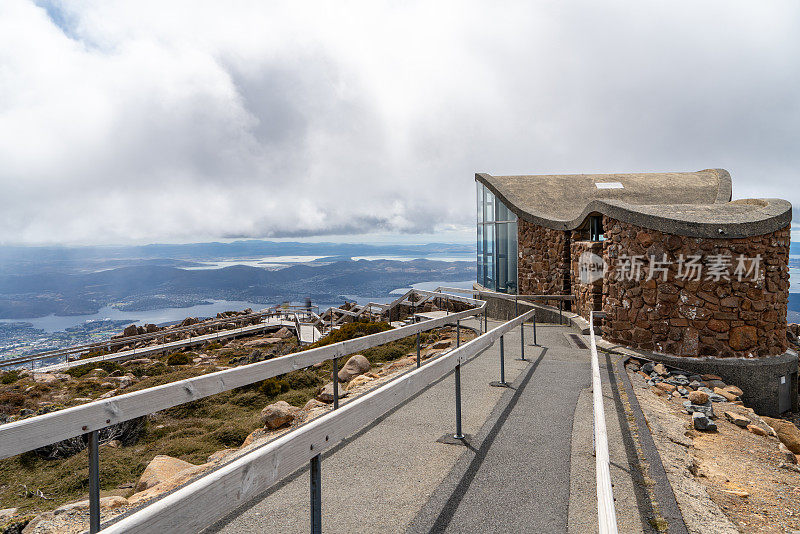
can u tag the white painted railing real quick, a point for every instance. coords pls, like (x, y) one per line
(204, 501)
(606, 514)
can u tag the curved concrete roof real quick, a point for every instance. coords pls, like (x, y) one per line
(695, 204)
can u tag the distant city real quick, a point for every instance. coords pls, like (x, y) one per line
(53, 297)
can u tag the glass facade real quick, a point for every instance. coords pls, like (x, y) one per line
(497, 243)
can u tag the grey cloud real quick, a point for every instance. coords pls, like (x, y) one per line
(145, 121)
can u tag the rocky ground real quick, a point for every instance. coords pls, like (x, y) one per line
(177, 445)
(731, 470)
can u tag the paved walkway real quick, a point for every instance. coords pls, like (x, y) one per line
(526, 466)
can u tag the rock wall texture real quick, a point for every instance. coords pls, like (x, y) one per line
(544, 260)
(589, 295)
(673, 313)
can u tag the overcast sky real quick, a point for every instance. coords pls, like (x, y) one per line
(153, 121)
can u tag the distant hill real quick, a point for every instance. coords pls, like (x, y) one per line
(148, 286)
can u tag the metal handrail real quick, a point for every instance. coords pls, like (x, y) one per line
(606, 514)
(202, 502)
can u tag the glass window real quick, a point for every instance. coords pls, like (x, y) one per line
(480, 202)
(496, 243)
(480, 253)
(488, 205)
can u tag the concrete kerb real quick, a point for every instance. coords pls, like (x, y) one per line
(761, 389)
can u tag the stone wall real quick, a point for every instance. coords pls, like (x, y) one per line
(588, 296)
(724, 317)
(543, 264)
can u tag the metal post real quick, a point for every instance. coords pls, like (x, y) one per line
(485, 322)
(516, 306)
(502, 362)
(94, 482)
(458, 332)
(335, 383)
(418, 362)
(522, 340)
(534, 330)
(502, 382)
(458, 434)
(560, 305)
(316, 495)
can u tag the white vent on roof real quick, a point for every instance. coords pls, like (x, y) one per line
(608, 185)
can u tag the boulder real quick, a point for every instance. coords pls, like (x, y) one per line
(356, 365)
(757, 430)
(734, 390)
(698, 397)
(109, 503)
(701, 422)
(359, 381)
(736, 419)
(444, 344)
(277, 414)
(7, 513)
(716, 384)
(716, 397)
(49, 378)
(730, 397)
(786, 432)
(660, 369)
(160, 469)
(706, 409)
(131, 330)
(151, 328)
(283, 333)
(313, 404)
(326, 393)
(647, 367)
(667, 388)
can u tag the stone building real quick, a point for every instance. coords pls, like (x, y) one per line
(679, 269)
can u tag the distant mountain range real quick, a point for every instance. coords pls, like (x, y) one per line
(144, 287)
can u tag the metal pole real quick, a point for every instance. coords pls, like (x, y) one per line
(502, 363)
(485, 322)
(94, 482)
(459, 434)
(516, 306)
(560, 305)
(316, 495)
(418, 362)
(335, 383)
(522, 340)
(534, 330)
(458, 332)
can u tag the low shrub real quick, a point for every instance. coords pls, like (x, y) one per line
(351, 331)
(272, 387)
(179, 358)
(302, 379)
(10, 377)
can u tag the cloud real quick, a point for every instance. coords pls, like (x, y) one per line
(153, 121)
